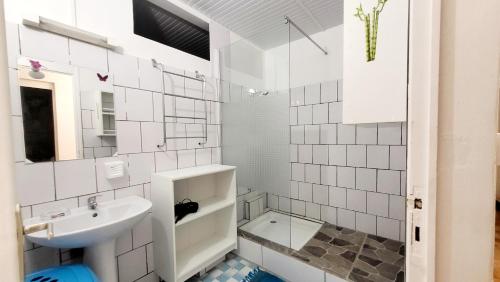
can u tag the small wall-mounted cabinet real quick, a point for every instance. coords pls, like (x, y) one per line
(105, 114)
(198, 240)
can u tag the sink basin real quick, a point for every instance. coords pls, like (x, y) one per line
(94, 230)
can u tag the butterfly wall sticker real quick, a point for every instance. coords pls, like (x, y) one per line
(102, 77)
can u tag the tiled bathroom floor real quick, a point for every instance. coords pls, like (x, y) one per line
(349, 254)
(233, 269)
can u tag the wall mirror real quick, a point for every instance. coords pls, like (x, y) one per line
(66, 113)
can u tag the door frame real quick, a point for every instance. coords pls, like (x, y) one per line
(423, 86)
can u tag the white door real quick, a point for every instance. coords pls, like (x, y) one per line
(422, 139)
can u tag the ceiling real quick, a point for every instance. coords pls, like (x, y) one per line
(262, 21)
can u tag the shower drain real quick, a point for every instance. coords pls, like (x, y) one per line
(273, 221)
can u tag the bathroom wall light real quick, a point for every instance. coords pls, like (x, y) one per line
(71, 32)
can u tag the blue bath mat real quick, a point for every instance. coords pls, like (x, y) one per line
(258, 275)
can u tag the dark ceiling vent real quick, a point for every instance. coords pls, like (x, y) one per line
(172, 27)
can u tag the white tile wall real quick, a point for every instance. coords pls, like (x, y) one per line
(137, 86)
(350, 175)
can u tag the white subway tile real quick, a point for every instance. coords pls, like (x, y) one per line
(320, 113)
(304, 115)
(297, 96)
(403, 183)
(402, 231)
(298, 207)
(320, 194)
(124, 243)
(124, 69)
(311, 134)
(41, 45)
(152, 136)
(356, 200)
(103, 152)
(120, 103)
(297, 134)
(294, 189)
(403, 133)
(305, 191)
(346, 218)
(340, 90)
(88, 55)
(87, 119)
(297, 171)
(90, 138)
(356, 155)
(216, 156)
(329, 175)
(398, 157)
(203, 156)
(186, 158)
(338, 197)
(377, 156)
(141, 166)
(328, 134)
(272, 201)
(320, 154)
(139, 105)
(389, 133)
(312, 94)
(329, 214)
(313, 173)
(366, 134)
(157, 107)
(305, 153)
(210, 91)
(377, 204)
(128, 137)
(366, 179)
(346, 134)
(40, 258)
(132, 265)
(184, 107)
(150, 78)
(137, 190)
(294, 153)
(284, 204)
(366, 223)
(75, 178)
(328, 91)
(397, 208)
(337, 155)
(335, 112)
(346, 177)
(142, 233)
(388, 228)
(389, 181)
(313, 210)
(293, 115)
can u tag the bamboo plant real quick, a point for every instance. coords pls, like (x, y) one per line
(371, 27)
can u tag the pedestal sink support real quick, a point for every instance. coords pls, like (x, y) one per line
(101, 259)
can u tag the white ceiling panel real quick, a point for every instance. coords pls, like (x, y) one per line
(262, 21)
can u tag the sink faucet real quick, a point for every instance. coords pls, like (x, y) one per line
(92, 202)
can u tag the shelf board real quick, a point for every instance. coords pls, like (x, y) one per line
(189, 260)
(205, 208)
(191, 172)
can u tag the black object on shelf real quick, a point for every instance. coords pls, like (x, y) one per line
(184, 208)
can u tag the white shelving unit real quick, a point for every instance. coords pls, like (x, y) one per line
(198, 240)
(105, 114)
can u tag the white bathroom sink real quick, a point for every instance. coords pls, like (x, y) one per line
(84, 227)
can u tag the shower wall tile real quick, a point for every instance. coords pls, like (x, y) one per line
(132, 265)
(81, 182)
(128, 136)
(312, 94)
(329, 91)
(304, 115)
(149, 76)
(388, 228)
(366, 134)
(124, 68)
(313, 210)
(389, 133)
(362, 167)
(87, 55)
(298, 207)
(141, 166)
(320, 113)
(311, 134)
(328, 134)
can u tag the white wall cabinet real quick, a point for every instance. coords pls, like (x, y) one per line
(105, 114)
(375, 64)
(198, 240)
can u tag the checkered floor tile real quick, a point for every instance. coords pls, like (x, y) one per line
(234, 269)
